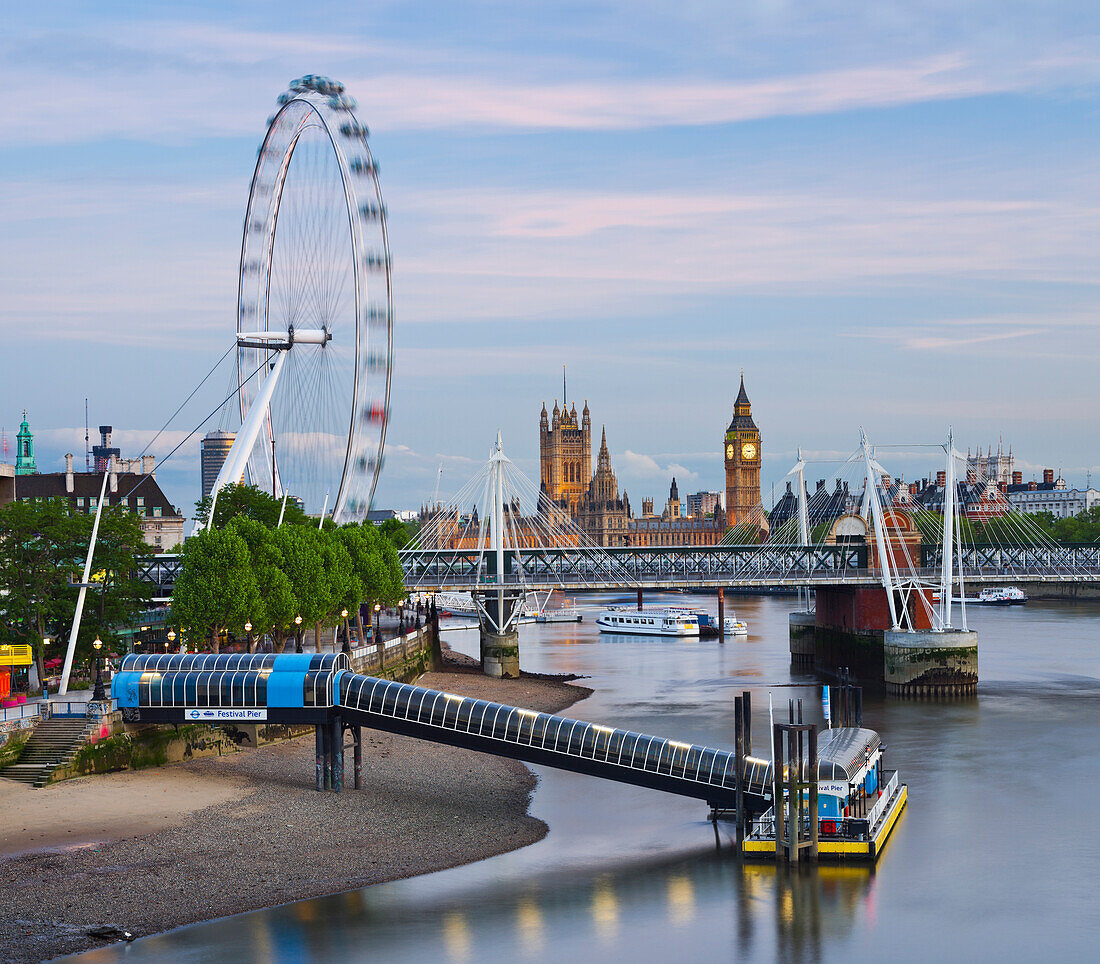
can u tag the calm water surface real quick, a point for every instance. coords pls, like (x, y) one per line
(996, 857)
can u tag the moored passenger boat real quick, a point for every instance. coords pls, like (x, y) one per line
(648, 622)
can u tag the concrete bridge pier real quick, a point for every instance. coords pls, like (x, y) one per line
(929, 663)
(500, 649)
(802, 628)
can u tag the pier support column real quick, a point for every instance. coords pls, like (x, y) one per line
(802, 628)
(500, 650)
(357, 753)
(319, 731)
(721, 615)
(338, 754)
(639, 600)
(500, 654)
(927, 663)
(326, 737)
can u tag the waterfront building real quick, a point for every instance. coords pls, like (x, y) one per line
(602, 513)
(742, 461)
(132, 484)
(593, 500)
(215, 449)
(673, 528)
(1051, 495)
(565, 455)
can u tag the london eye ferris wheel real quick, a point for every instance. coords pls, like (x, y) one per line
(315, 309)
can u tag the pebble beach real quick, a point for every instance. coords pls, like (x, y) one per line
(247, 830)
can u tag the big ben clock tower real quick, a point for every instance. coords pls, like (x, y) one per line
(742, 457)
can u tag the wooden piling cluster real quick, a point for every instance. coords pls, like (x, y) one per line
(742, 742)
(846, 700)
(795, 770)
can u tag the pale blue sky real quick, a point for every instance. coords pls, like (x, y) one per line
(885, 212)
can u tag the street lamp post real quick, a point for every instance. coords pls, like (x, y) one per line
(97, 693)
(346, 648)
(297, 634)
(248, 635)
(171, 639)
(45, 687)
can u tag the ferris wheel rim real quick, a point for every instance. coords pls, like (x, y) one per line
(359, 441)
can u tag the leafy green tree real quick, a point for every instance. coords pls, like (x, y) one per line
(43, 546)
(302, 561)
(252, 503)
(398, 533)
(119, 596)
(216, 588)
(277, 603)
(39, 548)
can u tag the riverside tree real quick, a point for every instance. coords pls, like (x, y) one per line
(251, 502)
(249, 573)
(216, 588)
(277, 605)
(43, 546)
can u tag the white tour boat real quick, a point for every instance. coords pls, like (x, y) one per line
(997, 596)
(648, 622)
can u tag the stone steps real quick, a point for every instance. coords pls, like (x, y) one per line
(53, 743)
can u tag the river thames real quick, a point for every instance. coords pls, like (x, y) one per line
(997, 855)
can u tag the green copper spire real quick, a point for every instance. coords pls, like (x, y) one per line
(24, 447)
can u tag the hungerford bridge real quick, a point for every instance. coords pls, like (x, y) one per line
(546, 550)
(874, 575)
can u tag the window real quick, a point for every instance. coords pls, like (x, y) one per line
(156, 512)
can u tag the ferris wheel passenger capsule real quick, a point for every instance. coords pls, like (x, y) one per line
(355, 130)
(363, 167)
(342, 102)
(374, 412)
(375, 361)
(372, 212)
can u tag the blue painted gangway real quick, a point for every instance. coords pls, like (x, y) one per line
(323, 691)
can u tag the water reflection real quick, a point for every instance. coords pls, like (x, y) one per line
(629, 874)
(709, 899)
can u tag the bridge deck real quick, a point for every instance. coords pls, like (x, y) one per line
(704, 773)
(305, 688)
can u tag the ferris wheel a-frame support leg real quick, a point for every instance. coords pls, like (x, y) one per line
(232, 470)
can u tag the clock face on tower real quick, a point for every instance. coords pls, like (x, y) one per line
(748, 451)
(729, 451)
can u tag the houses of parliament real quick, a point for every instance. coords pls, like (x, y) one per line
(593, 499)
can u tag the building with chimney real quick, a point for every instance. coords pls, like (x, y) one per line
(131, 485)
